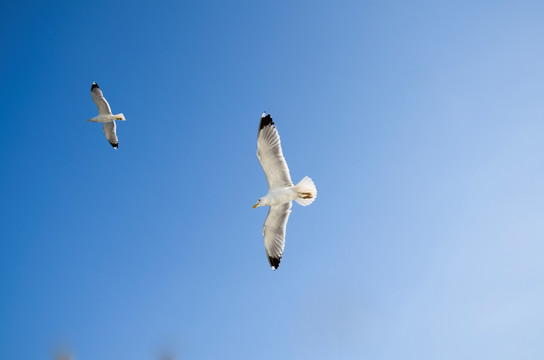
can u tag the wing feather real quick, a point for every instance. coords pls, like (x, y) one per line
(271, 156)
(274, 232)
(111, 135)
(100, 100)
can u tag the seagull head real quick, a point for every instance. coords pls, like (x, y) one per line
(264, 114)
(259, 203)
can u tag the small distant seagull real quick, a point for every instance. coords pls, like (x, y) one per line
(280, 190)
(105, 116)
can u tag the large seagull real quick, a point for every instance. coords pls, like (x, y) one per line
(281, 191)
(105, 116)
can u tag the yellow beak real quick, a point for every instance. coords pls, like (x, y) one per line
(254, 206)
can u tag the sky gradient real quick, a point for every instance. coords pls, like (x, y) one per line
(420, 123)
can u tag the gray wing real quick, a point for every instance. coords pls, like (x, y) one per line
(274, 232)
(100, 101)
(270, 155)
(111, 135)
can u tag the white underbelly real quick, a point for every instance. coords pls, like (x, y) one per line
(282, 195)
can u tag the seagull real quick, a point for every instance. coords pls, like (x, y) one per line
(105, 116)
(281, 191)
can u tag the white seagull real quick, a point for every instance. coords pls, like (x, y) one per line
(105, 116)
(280, 190)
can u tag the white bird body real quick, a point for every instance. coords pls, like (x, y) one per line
(105, 116)
(281, 191)
(279, 196)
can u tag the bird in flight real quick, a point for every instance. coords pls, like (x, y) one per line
(281, 191)
(105, 116)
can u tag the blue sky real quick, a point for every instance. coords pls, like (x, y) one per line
(421, 124)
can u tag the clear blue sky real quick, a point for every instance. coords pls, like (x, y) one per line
(421, 123)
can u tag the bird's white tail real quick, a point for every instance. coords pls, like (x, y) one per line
(119, 117)
(306, 191)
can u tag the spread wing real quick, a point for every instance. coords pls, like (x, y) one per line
(270, 155)
(274, 232)
(99, 100)
(111, 135)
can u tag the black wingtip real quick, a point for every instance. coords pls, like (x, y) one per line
(115, 146)
(265, 121)
(274, 262)
(95, 85)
